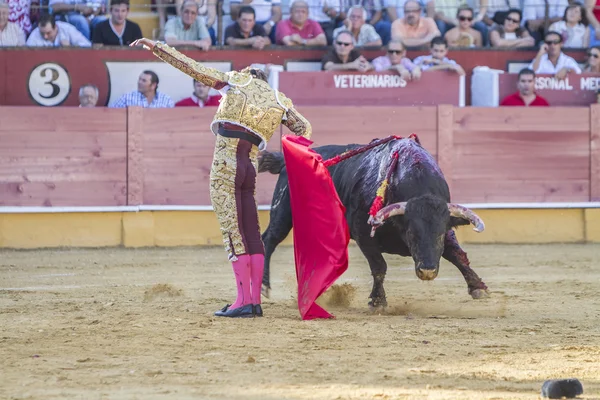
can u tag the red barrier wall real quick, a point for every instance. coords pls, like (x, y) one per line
(88, 65)
(108, 157)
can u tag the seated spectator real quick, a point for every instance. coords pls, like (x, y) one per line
(11, 34)
(267, 14)
(117, 30)
(188, 30)
(438, 59)
(445, 13)
(344, 56)
(396, 60)
(200, 97)
(246, 32)
(463, 35)
(551, 60)
(299, 30)
(207, 13)
(147, 95)
(78, 13)
(51, 33)
(573, 27)
(375, 17)
(525, 96)
(593, 63)
(88, 96)
(364, 35)
(510, 33)
(328, 13)
(413, 29)
(20, 13)
(536, 17)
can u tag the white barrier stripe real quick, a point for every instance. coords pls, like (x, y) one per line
(100, 209)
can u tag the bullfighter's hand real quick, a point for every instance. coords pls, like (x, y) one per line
(147, 43)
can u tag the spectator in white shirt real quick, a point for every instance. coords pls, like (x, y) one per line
(551, 60)
(11, 34)
(573, 27)
(364, 35)
(51, 33)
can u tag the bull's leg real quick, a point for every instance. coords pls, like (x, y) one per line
(280, 225)
(378, 270)
(457, 256)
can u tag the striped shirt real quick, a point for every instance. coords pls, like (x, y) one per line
(12, 35)
(136, 98)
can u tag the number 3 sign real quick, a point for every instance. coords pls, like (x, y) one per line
(49, 84)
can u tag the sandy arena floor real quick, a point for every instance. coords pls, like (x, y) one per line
(138, 324)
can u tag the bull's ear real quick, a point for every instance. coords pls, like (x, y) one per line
(456, 221)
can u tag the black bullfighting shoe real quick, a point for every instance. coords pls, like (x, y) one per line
(257, 310)
(246, 311)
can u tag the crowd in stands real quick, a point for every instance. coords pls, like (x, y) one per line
(344, 27)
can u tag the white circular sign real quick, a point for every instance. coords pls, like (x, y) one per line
(49, 84)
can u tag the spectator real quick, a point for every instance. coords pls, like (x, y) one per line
(445, 13)
(438, 59)
(299, 30)
(188, 30)
(525, 96)
(11, 34)
(414, 30)
(200, 97)
(20, 13)
(593, 62)
(344, 56)
(375, 17)
(511, 33)
(573, 27)
(463, 35)
(117, 30)
(551, 60)
(396, 60)
(267, 13)
(88, 95)
(207, 13)
(496, 10)
(539, 15)
(147, 95)
(51, 33)
(246, 32)
(78, 13)
(592, 13)
(328, 13)
(396, 8)
(364, 35)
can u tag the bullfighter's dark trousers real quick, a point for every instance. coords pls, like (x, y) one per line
(232, 192)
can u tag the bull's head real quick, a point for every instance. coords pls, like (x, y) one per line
(425, 221)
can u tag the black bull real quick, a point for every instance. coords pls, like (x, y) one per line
(420, 223)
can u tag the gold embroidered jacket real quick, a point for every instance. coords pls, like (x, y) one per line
(247, 102)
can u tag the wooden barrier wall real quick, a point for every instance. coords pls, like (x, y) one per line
(112, 157)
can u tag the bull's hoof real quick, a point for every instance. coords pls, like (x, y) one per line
(265, 291)
(377, 306)
(479, 294)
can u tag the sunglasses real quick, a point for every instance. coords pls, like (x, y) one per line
(516, 21)
(549, 42)
(595, 55)
(395, 51)
(343, 44)
(463, 18)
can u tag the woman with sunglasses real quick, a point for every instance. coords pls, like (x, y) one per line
(510, 34)
(573, 27)
(593, 63)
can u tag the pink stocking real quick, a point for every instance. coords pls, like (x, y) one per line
(256, 274)
(241, 270)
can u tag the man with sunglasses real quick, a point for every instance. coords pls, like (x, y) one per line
(526, 95)
(344, 56)
(551, 60)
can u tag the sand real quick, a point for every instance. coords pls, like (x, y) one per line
(139, 324)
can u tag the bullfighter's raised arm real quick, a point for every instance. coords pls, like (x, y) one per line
(298, 124)
(208, 76)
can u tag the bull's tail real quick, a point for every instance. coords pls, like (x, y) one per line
(272, 162)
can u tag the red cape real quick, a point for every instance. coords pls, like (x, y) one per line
(321, 233)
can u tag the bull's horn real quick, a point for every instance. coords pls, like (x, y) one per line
(388, 211)
(459, 211)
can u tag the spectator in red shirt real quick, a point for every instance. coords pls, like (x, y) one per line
(526, 95)
(299, 30)
(200, 97)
